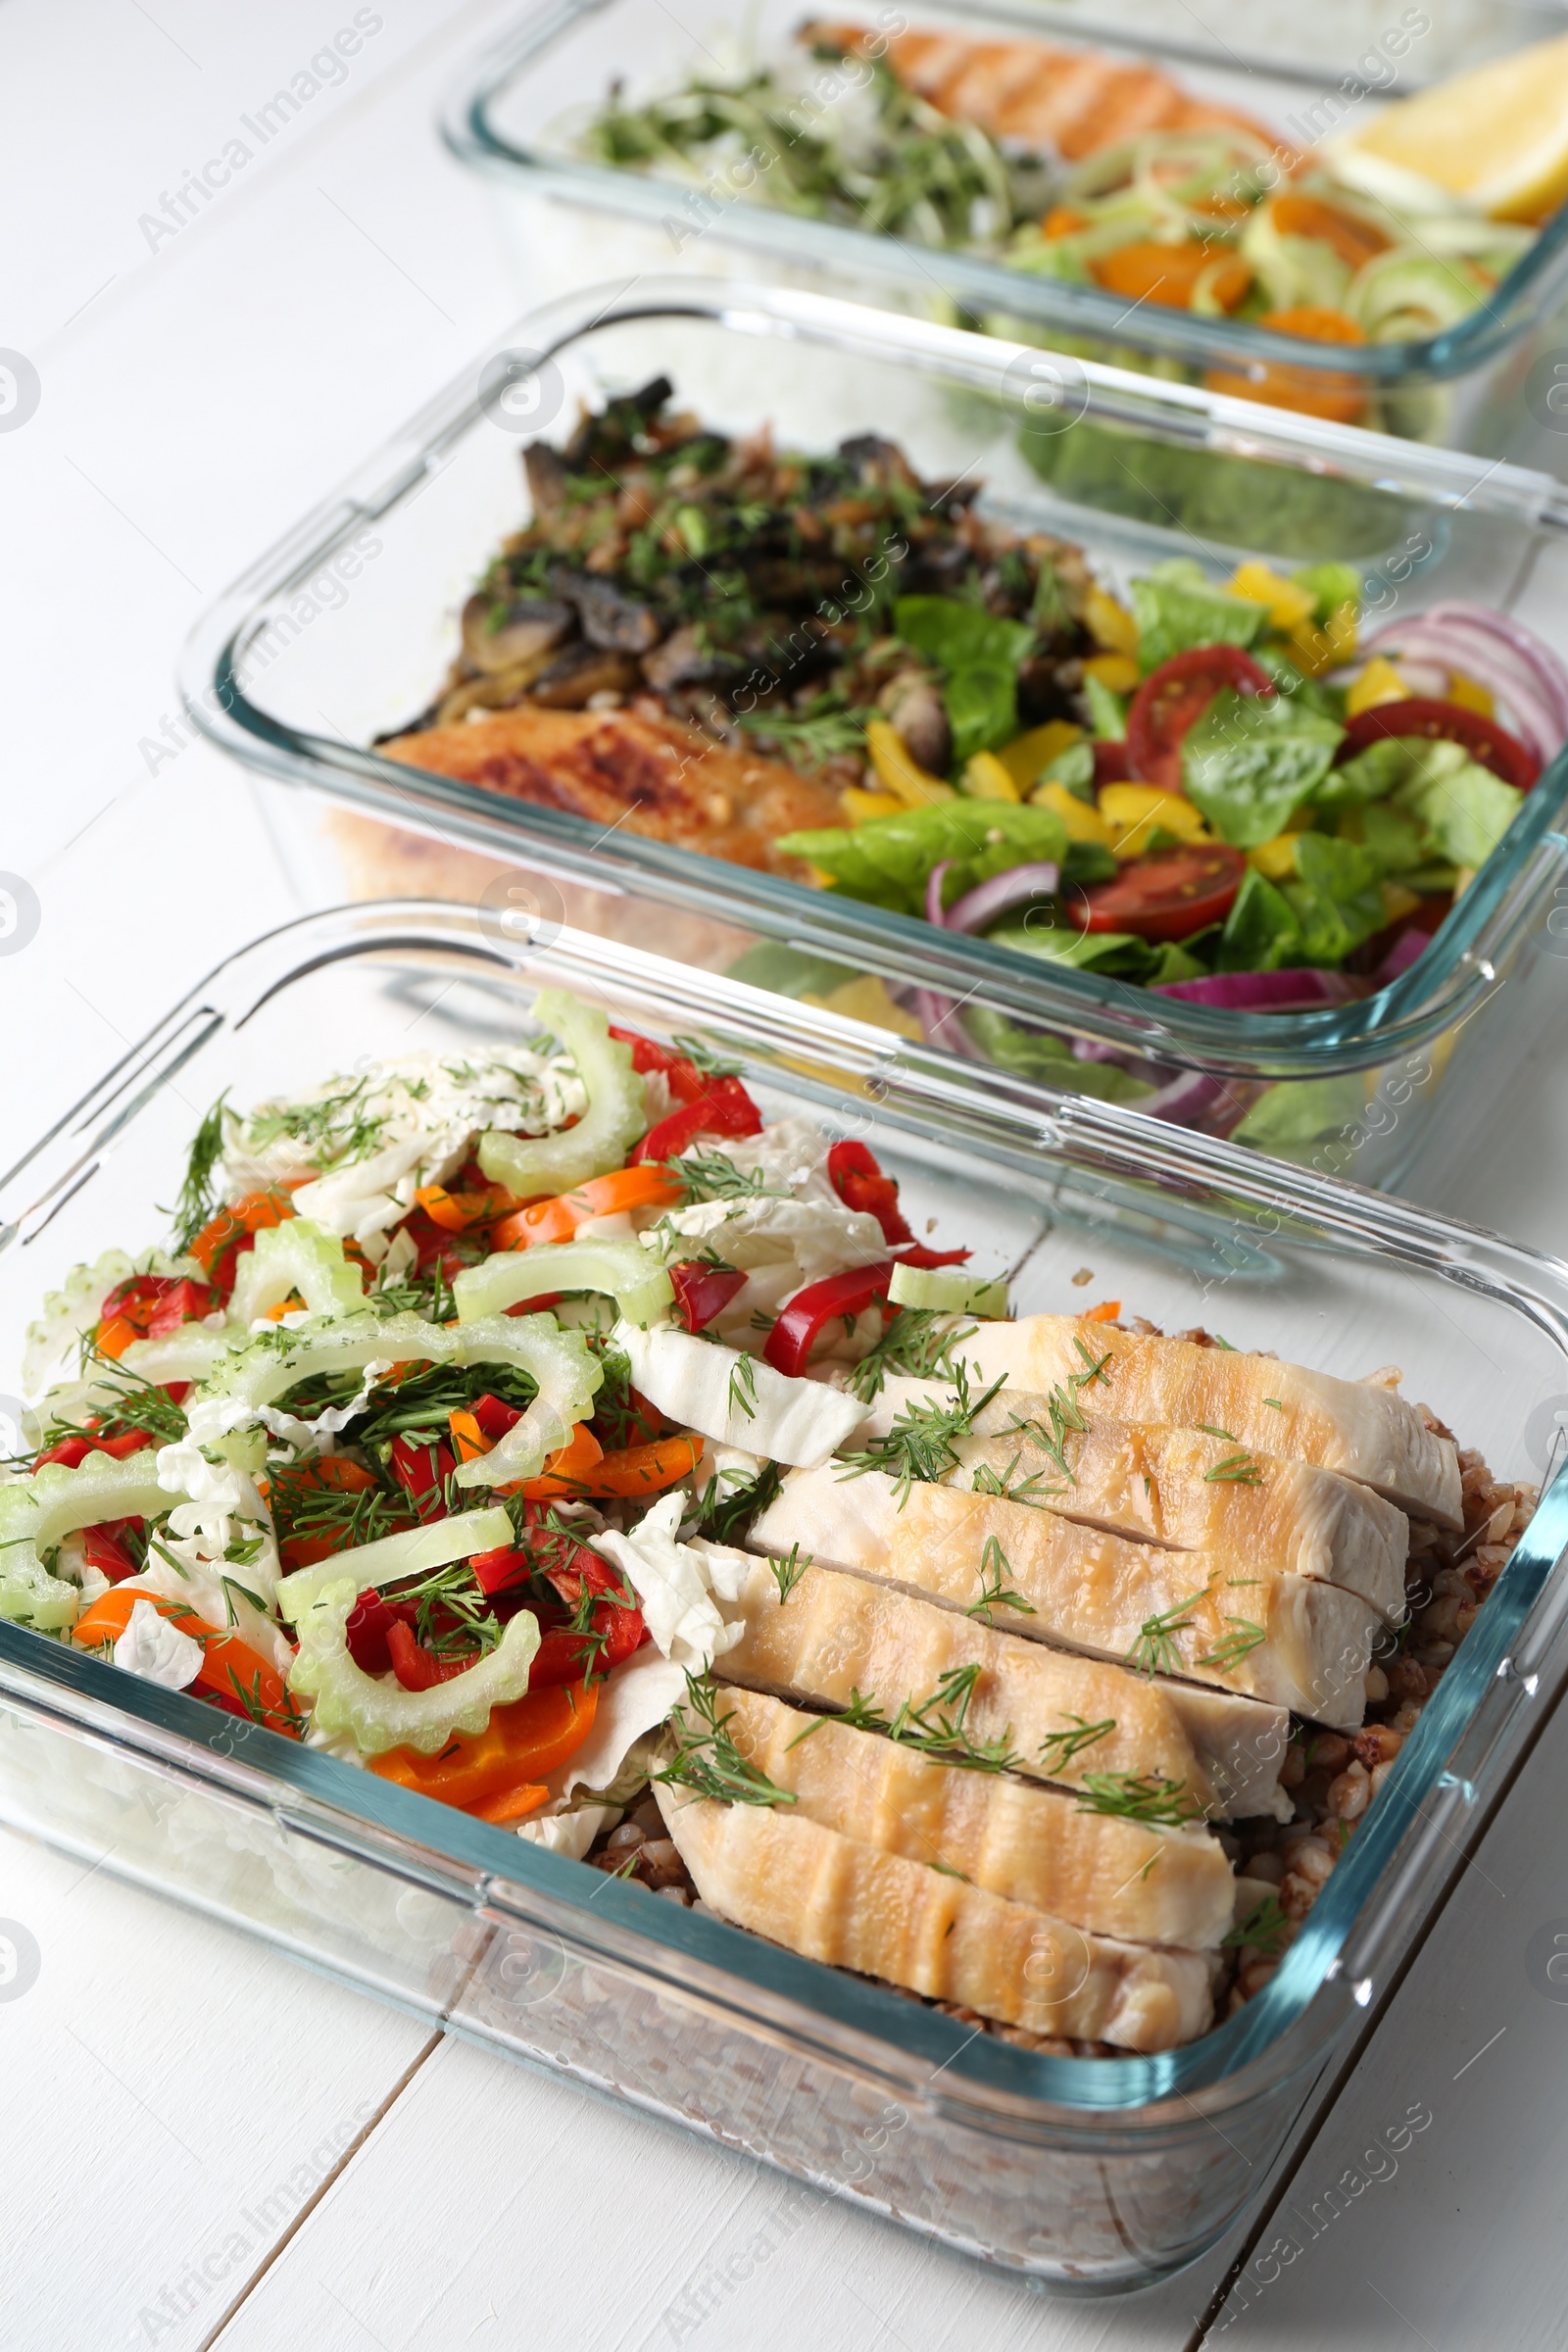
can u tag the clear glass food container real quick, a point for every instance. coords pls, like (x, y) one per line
(569, 222)
(1089, 2174)
(341, 633)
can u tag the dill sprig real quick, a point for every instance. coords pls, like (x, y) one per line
(789, 1570)
(1156, 1651)
(1146, 1797)
(743, 1386)
(1264, 1927)
(940, 1728)
(1068, 1419)
(198, 1198)
(137, 1404)
(1058, 1748)
(910, 1346)
(995, 1592)
(1232, 1647)
(703, 1058)
(724, 1516)
(714, 1176)
(1209, 1430)
(1239, 1470)
(919, 1445)
(707, 1759)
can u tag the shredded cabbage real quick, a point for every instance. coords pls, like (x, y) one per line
(621, 1270)
(378, 1713)
(737, 1399)
(616, 1116)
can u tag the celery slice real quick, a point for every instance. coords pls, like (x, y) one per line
(616, 1113)
(414, 1553)
(948, 1289)
(624, 1270)
(382, 1714)
(296, 1255)
(36, 1513)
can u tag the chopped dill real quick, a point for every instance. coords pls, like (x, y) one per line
(995, 1592)
(910, 1346)
(1146, 1797)
(1238, 1470)
(198, 1198)
(1156, 1651)
(1264, 1929)
(743, 1386)
(919, 1445)
(1232, 1647)
(1058, 1748)
(707, 1759)
(789, 1571)
(1229, 1435)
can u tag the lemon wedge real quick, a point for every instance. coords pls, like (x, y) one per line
(1496, 135)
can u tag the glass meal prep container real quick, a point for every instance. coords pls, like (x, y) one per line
(339, 634)
(1088, 2173)
(569, 221)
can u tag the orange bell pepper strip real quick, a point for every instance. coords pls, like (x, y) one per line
(1106, 1313)
(1308, 391)
(115, 1337)
(558, 1218)
(1168, 274)
(1353, 239)
(512, 1804)
(517, 1746)
(246, 1217)
(635, 1470)
(228, 1665)
(564, 1470)
(457, 1212)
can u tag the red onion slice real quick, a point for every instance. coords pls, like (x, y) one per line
(1503, 654)
(933, 894)
(938, 1016)
(1302, 990)
(1407, 948)
(981, 906)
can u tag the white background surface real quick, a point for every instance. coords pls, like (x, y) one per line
(200, 2144)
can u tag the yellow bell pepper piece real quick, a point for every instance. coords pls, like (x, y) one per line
(1379, 683)
(1082, 820)
(1275, 859)
(867, 999)
(1470, 693)
(986, 779)
(1397, 902)
(1288, 605)
(898, 773)
(1134, 810)
(1118, 671)
(1110, 624)
(1316, 650)
(1025, 756)
(862, 807)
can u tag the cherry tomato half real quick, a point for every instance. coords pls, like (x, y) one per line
(1445, 722)
(1169, 893)
(1175, 697)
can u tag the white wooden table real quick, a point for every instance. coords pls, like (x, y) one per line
(199, 2145)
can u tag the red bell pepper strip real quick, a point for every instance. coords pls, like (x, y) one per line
(702, 1291)
(103, 1548)
(724, 1109)
(917, 1255)
(616, 1631)
(369, 1621)
(422, 1471)
(857, 1180)
(74, 1450)
(415, 1667)
(686, 1080)
(791, 1340)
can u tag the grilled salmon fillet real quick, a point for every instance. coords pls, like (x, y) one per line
(1280, 1638)
(1076, 101)
(829, 1898)
(838, 1636)
(1031, 1846)
(1366, 1432)
(1188, 1490)
(653, 776)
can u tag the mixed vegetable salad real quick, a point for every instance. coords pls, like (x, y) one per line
(1073, 166)
(1215, 787)
(471, 1426)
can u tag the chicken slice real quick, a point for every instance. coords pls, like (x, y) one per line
(1279, 1639)
(838, 1639)
(829, 1898)
(1371, 1434)
(1190, 1490)
(1033, 1845)
(653, 776)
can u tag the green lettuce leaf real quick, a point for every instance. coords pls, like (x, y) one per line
(1108, 712)
(1177, 606)
(980, 654)
(1250, 762)
(886, 863)
(1465, 809)
(1331, 584)
(1338, 897)
(1261, 933)
(1035, 1053)
(1298, 1114)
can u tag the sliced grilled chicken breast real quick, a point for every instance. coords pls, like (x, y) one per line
(829, 1898)
(1280, 1639)
(839, 1637)
(1366, 1432)
(1033, 1845)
